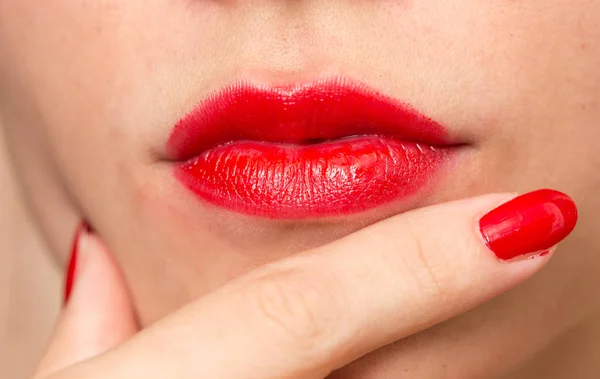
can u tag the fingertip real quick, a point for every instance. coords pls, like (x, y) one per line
(98, 315)
(528, 224)
(100, 291)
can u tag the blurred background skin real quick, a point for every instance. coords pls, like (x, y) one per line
(30, 283)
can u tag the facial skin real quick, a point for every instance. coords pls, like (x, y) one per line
(90, 91)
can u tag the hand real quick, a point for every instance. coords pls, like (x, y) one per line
(308, 315)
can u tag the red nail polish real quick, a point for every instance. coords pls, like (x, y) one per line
(72, 267)
(529, 223)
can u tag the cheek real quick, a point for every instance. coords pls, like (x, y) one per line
(526, 78)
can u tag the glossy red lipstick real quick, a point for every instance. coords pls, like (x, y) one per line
(326, 148)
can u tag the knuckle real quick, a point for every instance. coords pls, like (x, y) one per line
(297, 308)
(429, 274)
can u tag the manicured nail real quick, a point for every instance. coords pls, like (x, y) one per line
(72, 266)
(529, 224)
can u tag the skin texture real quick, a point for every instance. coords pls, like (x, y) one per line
(91, 90)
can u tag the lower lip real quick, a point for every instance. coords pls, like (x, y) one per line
(333, 178)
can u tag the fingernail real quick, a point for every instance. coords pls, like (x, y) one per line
(528, 224)
(72, 266)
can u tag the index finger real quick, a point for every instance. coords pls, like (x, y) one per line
(308, 315)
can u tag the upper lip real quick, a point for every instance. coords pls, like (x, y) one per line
(300, 114)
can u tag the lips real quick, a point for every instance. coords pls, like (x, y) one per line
(326, 148)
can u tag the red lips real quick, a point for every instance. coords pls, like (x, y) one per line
(321, 149)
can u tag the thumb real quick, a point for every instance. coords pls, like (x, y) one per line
(98, 315)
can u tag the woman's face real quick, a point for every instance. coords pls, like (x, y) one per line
(91, 91)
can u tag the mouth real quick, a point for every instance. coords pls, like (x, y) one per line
(327, 148)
